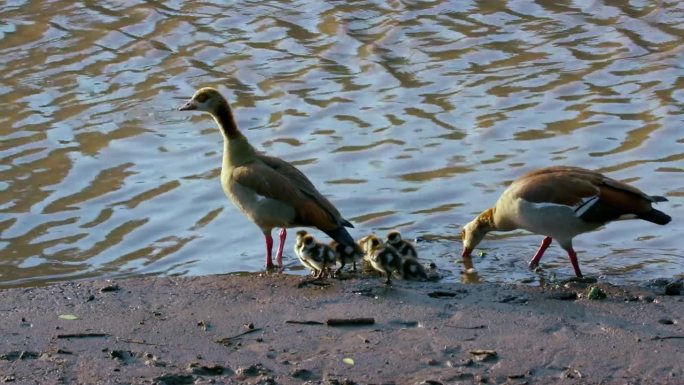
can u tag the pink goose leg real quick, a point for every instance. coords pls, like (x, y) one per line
(573, 260)
(540, 251)
(269, 248)
(279, 254)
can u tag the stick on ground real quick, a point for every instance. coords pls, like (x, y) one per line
(350, 321)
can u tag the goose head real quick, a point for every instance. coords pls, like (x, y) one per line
(206, 99)
(475, 230)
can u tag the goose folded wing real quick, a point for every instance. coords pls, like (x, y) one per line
(552, 189)
(270, 183)
(300, 181)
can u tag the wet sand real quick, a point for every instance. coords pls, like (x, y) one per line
(234, 329)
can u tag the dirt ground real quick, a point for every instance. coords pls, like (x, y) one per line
(239, 329)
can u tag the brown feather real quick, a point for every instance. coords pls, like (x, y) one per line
(559, 188)
(311, 214)
(625, 201)
(270, 183)
(486, 218)
(593, 177)
(299, 180)
(569, 185)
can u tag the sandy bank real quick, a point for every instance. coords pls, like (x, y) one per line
(189, 331)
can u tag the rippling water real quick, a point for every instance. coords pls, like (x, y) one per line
(410, 115)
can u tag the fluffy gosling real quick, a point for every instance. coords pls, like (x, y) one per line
(299, 244)
(384, 259)
(345, 254)
(404, 247)
(412, 270)
(317, 255)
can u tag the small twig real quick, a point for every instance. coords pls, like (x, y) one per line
(441, 294)
(226, 340)
(139, 342)
(83, 335)
(304, 322)
(468, 327)
(349, 321)
(315, 281)
(667, 338)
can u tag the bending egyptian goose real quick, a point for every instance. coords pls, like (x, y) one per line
(383, 258)
(560, 203)
(404, 247)
(269, 191)
(319, 256)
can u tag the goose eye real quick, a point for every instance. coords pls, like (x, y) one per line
(202, 98)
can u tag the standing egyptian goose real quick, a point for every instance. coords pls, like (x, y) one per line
(269, 191)
(560, 203)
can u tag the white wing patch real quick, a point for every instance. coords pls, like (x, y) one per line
(585, 204)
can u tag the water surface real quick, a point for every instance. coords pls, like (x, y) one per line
(407, 115)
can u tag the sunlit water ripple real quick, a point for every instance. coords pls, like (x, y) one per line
(409, 115)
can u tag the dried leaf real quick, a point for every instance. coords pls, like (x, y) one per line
(348, 361)
(69, 317)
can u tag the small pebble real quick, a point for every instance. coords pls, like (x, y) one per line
(204, 370)
(646, 298)
(673, 288)
(109, 288)
(563, 295)
(302, 374)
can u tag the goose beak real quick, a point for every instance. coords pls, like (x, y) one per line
(189, 106)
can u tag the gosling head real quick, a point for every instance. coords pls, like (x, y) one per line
(393, 237)
(301, 234)
(206, 99)
(369, 244)
(474, 231)
(309, 242)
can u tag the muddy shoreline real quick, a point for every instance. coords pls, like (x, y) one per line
(238, 329)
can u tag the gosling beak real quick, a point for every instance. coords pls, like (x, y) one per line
(466, 252)
(189, 106)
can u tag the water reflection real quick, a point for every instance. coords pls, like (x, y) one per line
(410, 115)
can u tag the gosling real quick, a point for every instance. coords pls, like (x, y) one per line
(299, 244)
(317, 255)
(346, 254)
(384, 259)
(412, 270)
(404, 247)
